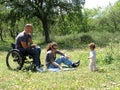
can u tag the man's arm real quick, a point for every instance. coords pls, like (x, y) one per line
(30, 40)
(24, 45)
(32, 44)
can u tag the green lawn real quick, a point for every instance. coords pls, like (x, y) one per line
(107, 77)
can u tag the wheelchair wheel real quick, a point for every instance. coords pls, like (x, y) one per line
(14, 60)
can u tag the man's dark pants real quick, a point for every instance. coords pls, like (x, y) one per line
(34, 52)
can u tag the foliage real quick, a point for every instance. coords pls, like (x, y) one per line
(107, 19)
(86, 39)
(108, 59)
(62, 18)
(72, 41)
(44, 10)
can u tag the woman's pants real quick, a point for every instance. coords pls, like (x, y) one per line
(61, 60)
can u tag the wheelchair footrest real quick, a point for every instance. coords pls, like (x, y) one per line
(41, 65)
(28, 61)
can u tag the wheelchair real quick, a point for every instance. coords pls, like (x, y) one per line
(15, 60)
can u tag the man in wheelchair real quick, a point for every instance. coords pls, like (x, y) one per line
(25, 44)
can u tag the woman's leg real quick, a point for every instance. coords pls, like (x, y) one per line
(51, 66)
(61, 60)
(64, 60)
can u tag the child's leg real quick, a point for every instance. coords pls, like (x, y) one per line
(94, 66)
(91, 65)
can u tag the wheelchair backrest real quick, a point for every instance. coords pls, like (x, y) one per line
(13, 46)
(25, 54)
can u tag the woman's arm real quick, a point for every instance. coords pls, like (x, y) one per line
(61, 53)
(54, 63)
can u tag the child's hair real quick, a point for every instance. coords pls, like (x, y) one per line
(92, 45)
(50, 45)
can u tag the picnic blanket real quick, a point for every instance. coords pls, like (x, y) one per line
(58, 70)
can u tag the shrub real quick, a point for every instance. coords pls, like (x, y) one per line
(108, 59)
(86, 39)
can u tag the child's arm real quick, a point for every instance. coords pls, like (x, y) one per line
(89, 57)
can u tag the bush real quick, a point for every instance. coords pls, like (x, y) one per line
(108, 59)
(86, 39)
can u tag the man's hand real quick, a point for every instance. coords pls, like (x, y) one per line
(33, 45)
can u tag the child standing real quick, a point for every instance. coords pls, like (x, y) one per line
(92, 57)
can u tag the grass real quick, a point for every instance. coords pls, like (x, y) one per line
(108, 63)
(107, 77)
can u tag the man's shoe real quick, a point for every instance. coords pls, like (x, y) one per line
(39, 69)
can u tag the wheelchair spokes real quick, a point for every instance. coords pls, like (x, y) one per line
(14, 60)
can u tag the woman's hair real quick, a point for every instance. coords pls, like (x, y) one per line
(50, 45)
(92, 45)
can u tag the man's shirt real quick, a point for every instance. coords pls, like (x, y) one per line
(22, 37)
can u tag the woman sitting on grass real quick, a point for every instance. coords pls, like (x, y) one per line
(53, 63)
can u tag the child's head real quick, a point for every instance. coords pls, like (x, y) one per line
(92, 46)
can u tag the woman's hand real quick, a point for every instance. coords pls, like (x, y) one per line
(56, 64)
(60, 67)
(67, 56)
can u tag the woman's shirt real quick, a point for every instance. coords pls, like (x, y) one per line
(50, 57)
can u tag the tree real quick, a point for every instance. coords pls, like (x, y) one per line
(114, 15)
(109, 18)
(3, 13)
(44, 10)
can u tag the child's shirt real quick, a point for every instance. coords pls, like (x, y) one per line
(93, 55)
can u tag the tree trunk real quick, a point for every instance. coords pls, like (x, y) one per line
(46, 30)
(115, 25)
(1, 37)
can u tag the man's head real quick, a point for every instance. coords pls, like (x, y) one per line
(28, 28)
